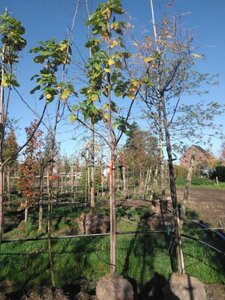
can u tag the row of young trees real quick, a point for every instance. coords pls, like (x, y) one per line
(164, 74)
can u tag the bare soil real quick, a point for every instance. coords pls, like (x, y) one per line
(209, 204)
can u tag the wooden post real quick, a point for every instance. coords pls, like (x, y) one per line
(217, 181)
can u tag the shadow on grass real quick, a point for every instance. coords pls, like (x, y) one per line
(143, 248)
(194, 227)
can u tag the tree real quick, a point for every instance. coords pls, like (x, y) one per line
(10, 147)
(140, 152)
(107, 79)
(222, 156)
(12, 42)
(169, 59)
(30, 168)
(54, 56)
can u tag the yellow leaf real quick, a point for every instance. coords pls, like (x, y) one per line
(72, 118)
(106, 106)
(4, 82)
(148, 59)
(132, 89)
(65, 94)
(107, 70)
(111, 62)
(105, 36)
(131, 96)
(106, 117)
(48, 96)
(135, 82)
(114, 43)
(94, 97)
(107, 13)
(63, 47)
(199, 56)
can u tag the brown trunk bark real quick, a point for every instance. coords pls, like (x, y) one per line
(8, 186)
(188, 184)
(124, 180)
(1, 200)
(40, 214)
(179, 252)
(112, 210)
(50, 258)
(2, 126)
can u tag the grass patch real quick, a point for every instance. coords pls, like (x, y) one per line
(25, 265)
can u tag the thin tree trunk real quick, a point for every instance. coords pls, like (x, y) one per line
(92, 170)
(40, 214)
(124, 180)
(188, 184)
(26, 213)
(179, 252)
(102, 179)
(50, 258)
(112, 210)
(72, 179)
(2, 125)
(8, 188)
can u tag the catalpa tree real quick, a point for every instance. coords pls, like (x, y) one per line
(108, 85)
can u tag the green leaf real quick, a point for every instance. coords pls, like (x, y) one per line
(39, 59)
(35, 89)
(74, 107)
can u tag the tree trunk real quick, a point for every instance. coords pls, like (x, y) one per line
(124, 180)
(2, 132)
(26, 213)
(112, 210)
(1, 200)
(179, 252)
(188, 183)
(8, 186)
(92, 170)
(50, 258)
(40, 214)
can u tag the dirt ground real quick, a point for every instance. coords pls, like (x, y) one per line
(209, 204)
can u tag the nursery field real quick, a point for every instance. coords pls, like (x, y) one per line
(144, 256)
(208, 203)
(92, 202)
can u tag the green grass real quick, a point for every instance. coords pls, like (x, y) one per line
(25, 264)
(202, 185)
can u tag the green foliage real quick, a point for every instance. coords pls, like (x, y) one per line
(220, 173)
(53, 55)
(12, 41)
(196, 180)
(12, 32)
(105, 68)
(180, 174)
(10, 147)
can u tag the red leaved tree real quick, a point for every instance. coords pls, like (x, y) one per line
(29, 169)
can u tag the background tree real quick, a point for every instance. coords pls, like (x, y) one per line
(10, 147)
(222, 155)
(140, 152)
(169, 60)
(30, 168)
(12, 42)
